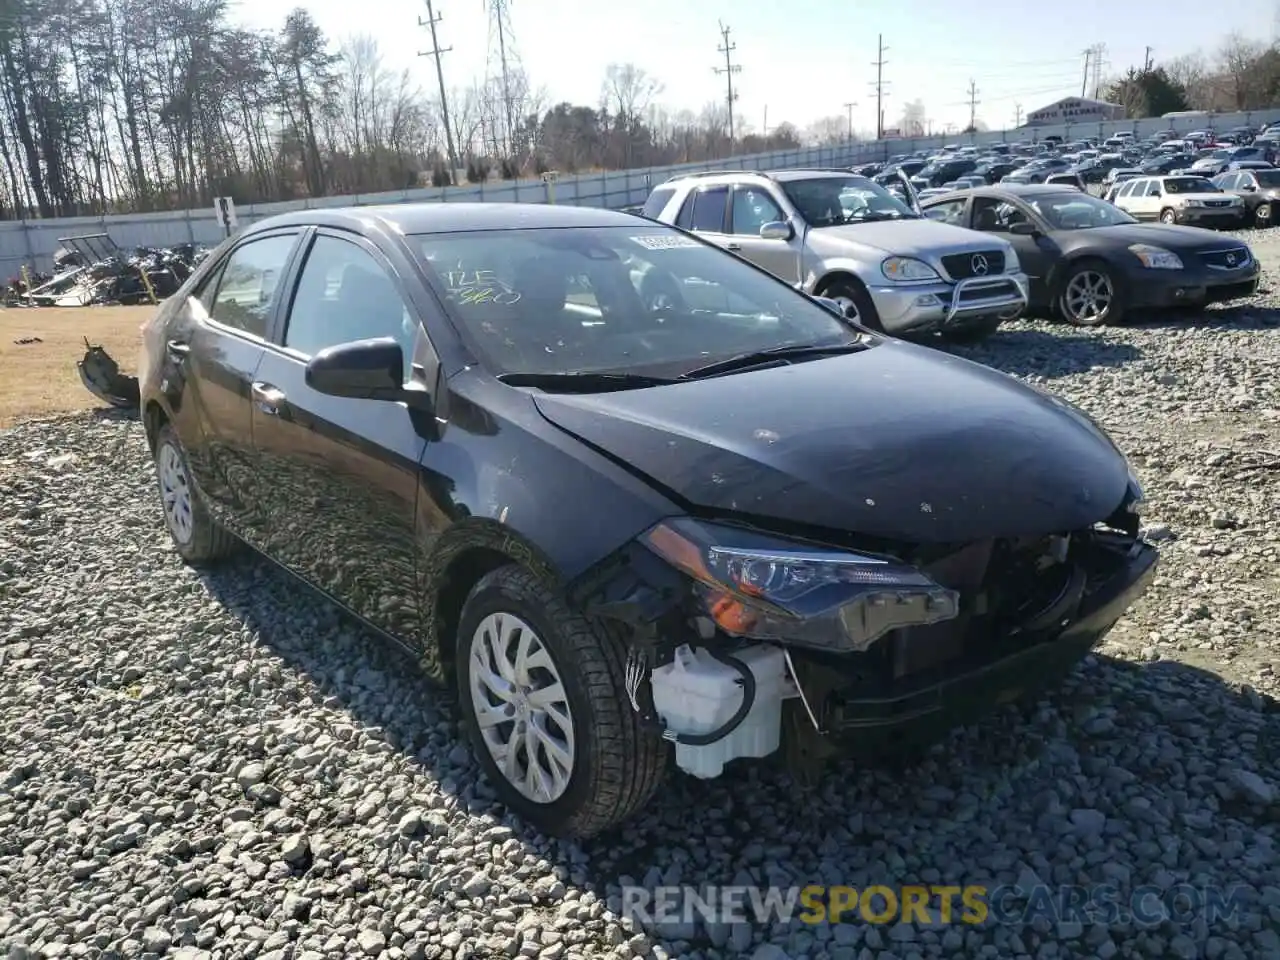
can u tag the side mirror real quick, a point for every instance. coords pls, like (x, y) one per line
(1024, 228)
(363, 370)
(777, 230)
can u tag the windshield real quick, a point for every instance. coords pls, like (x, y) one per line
(833, 201)
(1267, 179)
(1078, 212)
(636, 299)
(1189, 185)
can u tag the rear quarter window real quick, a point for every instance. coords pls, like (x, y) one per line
(657, 202)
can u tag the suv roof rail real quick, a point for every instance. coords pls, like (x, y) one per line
(714, 173)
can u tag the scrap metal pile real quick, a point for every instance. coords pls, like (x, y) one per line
(91, 270)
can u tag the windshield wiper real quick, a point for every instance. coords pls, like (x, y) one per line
(772, 356)
(584, 382)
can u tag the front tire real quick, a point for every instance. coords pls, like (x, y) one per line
(198, 538)
(1262, 216)
(1090, 296)
(1168, 216)
(852, 295)
(542, 692)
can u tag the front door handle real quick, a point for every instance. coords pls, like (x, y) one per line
(733, 246)
(268, 398)
(177, 348)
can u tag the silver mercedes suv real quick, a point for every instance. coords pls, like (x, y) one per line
(838, 235)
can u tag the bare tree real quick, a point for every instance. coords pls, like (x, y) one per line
(912, 121)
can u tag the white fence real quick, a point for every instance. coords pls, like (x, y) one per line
(33, 242)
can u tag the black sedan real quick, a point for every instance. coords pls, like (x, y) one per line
(1091, 263)
(709, 524)
(1258, 188)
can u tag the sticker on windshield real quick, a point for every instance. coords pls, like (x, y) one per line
(653, 242)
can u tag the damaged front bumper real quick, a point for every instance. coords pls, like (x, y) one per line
(911, 652)
(922, 705)
(101, 376)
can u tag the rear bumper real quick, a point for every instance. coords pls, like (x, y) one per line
(920, 711)
(932, 307)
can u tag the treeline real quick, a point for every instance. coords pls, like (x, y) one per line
(136, 105)
(1243, 74)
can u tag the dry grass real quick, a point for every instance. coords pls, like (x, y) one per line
(40, 379)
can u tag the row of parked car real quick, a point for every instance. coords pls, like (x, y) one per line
(959, 262)
(1238, 161)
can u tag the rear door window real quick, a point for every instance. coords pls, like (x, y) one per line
(709, 209)
(250, 283)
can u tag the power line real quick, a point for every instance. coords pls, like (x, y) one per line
(973, 105)
(729, 69)
(438, 54)
(849, 107)
(879, 63)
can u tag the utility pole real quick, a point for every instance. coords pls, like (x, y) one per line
(729, 69)
(973, 105)
(849, 108)
(1084, 81)
(1099, 52)
(438, 54)
(1146, 63)
(1017, 115)
(879, 63)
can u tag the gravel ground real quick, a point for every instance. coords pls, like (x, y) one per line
(217, 766)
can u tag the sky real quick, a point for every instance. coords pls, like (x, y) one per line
(802, 67)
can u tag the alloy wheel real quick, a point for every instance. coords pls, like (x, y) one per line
(850, 308)
(1088, 297)
(521, 708)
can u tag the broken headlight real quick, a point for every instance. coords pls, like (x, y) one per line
(763, 588)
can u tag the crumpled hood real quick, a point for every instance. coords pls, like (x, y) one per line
(907, 237)
(898, 442)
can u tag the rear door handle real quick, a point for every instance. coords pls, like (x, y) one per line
(733, 246)
(177, 348)
(268, 398)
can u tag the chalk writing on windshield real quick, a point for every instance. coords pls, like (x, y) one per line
(472, 287)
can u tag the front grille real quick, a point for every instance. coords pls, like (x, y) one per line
(1217, 203)
(988, 291)
(1226, 259)
(961, 266)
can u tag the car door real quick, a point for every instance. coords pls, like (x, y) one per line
(212, 353)
(343, 473)
(751, 206)
(1036, 254)
(1135, 201)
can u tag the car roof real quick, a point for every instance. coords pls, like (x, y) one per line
(1021, 191)
(434, 217)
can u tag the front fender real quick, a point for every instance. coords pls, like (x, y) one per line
(865, 272)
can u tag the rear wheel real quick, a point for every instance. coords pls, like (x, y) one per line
(1089, 296)
(197, 536)
(543, 693)
(853, 298)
